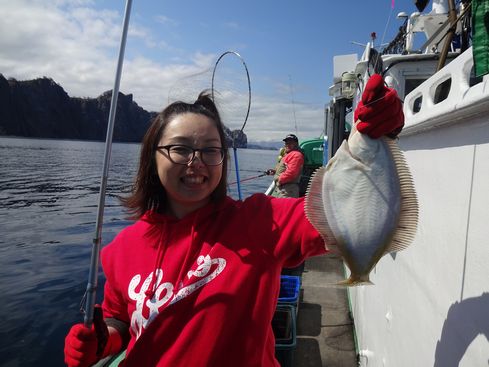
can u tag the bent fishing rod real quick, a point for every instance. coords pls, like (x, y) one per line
(90, 292)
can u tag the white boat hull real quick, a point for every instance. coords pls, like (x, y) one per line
(430, 303)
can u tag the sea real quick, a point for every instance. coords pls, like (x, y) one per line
(49, 193)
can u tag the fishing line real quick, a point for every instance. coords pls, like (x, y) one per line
(378, 99)
(234, 134)
(383, 36)
(387, 25)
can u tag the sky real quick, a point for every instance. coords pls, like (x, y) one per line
(172, 48)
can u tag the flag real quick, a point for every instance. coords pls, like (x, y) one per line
(480, 37)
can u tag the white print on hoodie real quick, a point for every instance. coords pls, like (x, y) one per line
(138, 321)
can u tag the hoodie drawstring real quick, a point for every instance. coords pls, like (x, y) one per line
(162, 246)
(150, 292)
(181, 273)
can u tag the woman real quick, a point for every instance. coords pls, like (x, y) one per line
(195, 280)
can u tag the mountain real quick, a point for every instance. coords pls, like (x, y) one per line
(41, 108)
(267, 145)
(262, 147)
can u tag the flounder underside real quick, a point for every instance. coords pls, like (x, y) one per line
(364, 203)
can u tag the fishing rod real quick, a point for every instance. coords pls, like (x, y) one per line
(249, 178)
(250, 170)
(293, 104)
(90, 293)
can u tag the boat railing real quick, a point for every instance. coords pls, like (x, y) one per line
(398, 44)
(448, 96)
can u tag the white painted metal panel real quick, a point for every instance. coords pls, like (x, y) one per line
(429, 305)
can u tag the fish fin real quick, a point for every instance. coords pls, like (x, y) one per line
(409, 212)
(339, 285)
(314, 208)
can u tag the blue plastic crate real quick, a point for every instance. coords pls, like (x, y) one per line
(289, 289)
(284, 329)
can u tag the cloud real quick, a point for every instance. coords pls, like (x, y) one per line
(232, 25)
(272, 118)
(154, 85)
(163, 19)
(77, 45)
(43, 39)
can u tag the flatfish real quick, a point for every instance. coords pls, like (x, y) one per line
(364, 203)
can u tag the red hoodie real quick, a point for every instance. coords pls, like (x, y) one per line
(202, 290)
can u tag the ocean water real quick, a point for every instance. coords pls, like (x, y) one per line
(48, 206)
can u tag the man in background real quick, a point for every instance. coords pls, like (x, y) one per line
(287, 173)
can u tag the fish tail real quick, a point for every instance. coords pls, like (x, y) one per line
(355, 281)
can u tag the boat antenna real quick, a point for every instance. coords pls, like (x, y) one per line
(373, 37)
(358, 44)
(293, 104)
(90, 292)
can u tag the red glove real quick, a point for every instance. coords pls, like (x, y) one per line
(81, 346)
(380, 110)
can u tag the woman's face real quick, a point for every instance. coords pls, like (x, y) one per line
(189, 186)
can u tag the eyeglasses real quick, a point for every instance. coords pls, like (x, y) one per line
(183, 154)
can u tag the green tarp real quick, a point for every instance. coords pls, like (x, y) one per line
(480, 36)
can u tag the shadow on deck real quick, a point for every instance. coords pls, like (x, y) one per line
(324, 326)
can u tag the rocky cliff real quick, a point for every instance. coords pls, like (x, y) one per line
(41, 108)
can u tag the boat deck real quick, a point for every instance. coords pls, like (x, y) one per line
(324, 326)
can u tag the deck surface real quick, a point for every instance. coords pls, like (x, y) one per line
(324, 327)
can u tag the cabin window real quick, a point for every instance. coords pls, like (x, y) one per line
(417, 104)
(442, 91)
(412, 84)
